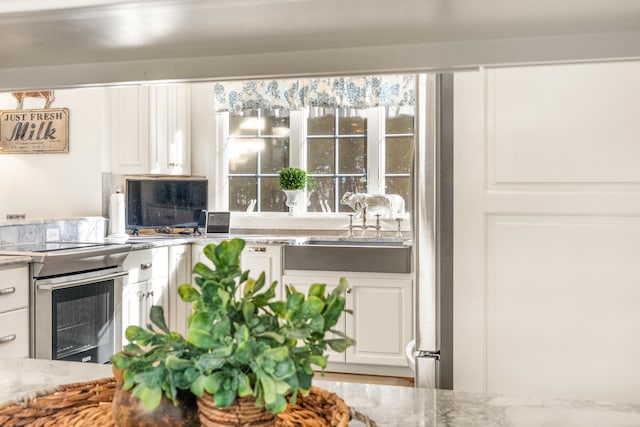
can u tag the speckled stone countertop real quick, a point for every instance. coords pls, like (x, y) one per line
(387, 405)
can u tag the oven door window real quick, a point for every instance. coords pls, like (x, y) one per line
(83, 323)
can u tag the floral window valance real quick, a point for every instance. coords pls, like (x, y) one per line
(331, 92)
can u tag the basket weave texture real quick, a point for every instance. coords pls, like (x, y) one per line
(88, 404)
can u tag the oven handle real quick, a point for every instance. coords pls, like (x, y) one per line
(80, 282)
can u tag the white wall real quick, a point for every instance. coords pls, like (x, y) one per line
(58, 185)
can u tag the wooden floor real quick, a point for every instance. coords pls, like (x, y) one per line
(366, 379)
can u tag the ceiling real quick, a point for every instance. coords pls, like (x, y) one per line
(117, 30)
(41, 33)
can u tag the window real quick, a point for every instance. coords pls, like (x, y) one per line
(267, 125)
(336, 149)
(258, 148)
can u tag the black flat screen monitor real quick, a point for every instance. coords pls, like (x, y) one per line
(159, 203)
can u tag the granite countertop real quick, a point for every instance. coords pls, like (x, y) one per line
(14, 259)
(387, 405)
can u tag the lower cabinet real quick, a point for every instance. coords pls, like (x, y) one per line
(146, 285)
(382, 320)
(267, 258)
(14, 312)
(180, 267)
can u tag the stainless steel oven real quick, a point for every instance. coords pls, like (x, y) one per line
(76, 299)
(77, 316)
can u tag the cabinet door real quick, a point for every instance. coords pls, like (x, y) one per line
(134, 306)
(302, 284)
(170, 129)
(267, 258)
(198, 256)
(129, 126)
(179, 273)
(14, 333)
(157, 294)
(381, 322)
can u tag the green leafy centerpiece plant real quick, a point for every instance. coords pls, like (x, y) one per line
(244, 349)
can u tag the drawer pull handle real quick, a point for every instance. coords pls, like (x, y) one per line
(7, 339)
(8, 291)
(146, 266)
(257, 249)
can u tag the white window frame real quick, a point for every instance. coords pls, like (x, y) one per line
(297, 158)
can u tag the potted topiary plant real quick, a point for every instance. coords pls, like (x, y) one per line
(292, 181)
(149, 390)
(246, 355)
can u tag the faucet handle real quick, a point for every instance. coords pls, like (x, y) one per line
(378, 227)
(399, 232)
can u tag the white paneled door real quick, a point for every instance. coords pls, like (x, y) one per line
(547, 231)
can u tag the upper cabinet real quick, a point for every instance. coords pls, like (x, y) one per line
(151, 129)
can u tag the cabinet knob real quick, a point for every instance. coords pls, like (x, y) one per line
(146, 266)
(8, 291)
(7, 339)
(349, 290)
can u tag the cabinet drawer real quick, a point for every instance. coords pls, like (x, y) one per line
(14, 333)
(14, 288)
(147, 264)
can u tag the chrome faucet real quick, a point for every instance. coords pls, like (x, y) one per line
(364, 225)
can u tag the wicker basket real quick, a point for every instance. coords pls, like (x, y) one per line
(88, 404)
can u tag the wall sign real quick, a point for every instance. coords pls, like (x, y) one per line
(34, 131)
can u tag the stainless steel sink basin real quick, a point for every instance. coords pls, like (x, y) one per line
(353, 241)
(348, 257)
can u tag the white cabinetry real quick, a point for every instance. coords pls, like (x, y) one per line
(151, 129)
(14, 312)
(382, 316)
(129, 126)
(180, 267)
(267, 258)
(146, 285)
(170, 129)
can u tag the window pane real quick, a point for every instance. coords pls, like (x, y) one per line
(275, 155)
(354, 184)
(323, 125)
(276, 126)
(241, 191)
(399, 154)
(271, 197)
(401, 186)
(400, 124)
(321, 156)
(324, 193)
(352, 155)
(243, 125)
(352, 125)
(243, 155)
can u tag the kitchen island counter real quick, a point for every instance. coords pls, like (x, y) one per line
(387, 405)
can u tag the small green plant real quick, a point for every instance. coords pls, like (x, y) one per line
(292, 179)
(240, 340)
(312, 184)
(150, 360)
